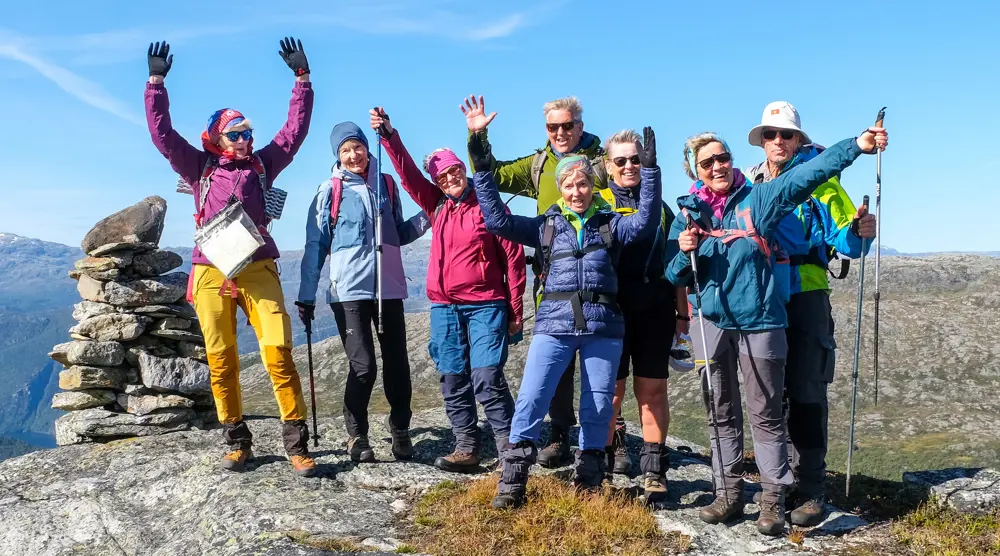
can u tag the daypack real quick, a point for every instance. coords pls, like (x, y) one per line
(813, 256)
(576, 298)
(274, 198)
(662, 230)
(337, 195)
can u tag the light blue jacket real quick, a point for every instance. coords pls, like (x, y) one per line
(351, 245)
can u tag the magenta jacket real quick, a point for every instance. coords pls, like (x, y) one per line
(232, 176)
(467, 263)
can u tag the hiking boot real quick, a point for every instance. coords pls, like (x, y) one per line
(458, 461)
(808, 512)
(654, 487)
(304, 466)
(771, 520)
(622, 464)
(236, 460)
(556, 453)
(513, 484)
(721, 510)
(590, 468)
(402, 446)
(361, 451)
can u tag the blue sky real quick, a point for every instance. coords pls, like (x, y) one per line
(75, 146)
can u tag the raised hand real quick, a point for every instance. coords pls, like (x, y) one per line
(159, 59)
(380, 121)
(293, 55)
(872, 138)
(647, 151)
(475, 113)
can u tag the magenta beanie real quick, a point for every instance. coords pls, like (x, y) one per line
(441, 161)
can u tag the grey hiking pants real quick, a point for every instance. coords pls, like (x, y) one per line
(811, 361)
(761, 358)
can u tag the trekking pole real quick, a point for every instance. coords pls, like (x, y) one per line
(312, 381)
(857, 353)
(878, 243)
(378, 229)
(708, 370)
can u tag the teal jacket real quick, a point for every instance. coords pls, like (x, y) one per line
(737, 271)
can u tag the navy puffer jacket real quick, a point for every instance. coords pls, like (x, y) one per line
(595, 271)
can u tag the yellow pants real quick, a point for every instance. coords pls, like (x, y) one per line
(258, 293)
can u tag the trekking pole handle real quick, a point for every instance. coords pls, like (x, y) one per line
(306, 322)
(864, 202)
(880, 117)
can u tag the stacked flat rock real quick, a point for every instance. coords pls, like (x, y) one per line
(136, 362)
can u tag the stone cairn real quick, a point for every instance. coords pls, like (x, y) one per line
(136, 365)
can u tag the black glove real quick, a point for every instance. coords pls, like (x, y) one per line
(647, 151)
(159, 59)
(479, 152)
(382, 129)
(294, 56)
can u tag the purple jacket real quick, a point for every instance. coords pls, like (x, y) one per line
(231, 176)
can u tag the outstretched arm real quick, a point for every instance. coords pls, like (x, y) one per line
(185, 159)
(424, 192)
(643, 223)
(278, 154)
(512, 176)
(520, 229)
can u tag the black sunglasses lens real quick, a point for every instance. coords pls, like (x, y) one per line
(723, 158)
(635, 159)
(787, 135)
(769, 135)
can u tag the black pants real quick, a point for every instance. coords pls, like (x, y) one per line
(355, 322)
(561, 409)
(808, 373)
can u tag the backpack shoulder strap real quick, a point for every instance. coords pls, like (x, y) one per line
(258, 166)
(608, 196)
(548, 237)
(390, 186)
(336, 195)
(440, 205)
(537, 165)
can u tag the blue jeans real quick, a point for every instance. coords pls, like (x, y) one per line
(469, 346)
(548, 357)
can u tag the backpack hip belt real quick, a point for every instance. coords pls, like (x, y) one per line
(577, 300)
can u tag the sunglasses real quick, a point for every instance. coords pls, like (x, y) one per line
(566, 126)
(621, 160)
(722, 158)
(770, 134)
(454, 171)
(234, 136)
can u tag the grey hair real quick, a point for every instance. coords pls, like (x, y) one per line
(572, 163)
(427, 159)
(623, 137)
(568, 103)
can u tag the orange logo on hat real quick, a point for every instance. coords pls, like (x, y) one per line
(775, 111)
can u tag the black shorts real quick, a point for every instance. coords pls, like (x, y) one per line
(648, 337)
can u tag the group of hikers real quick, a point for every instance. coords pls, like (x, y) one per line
(741, 266)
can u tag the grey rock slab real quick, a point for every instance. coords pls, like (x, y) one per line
(194, 351)
(973, 491)
(113, 249)
(91, 289)
(139, 223)
(87, 309)
(82, 399)
(88, 424)
(113, 327)
(146, 291)
(168, 495)
(155, 263)
(173, 323)
(179, 335)
(182, 310)
(183, 375)
(144, 405)
(83, 377)
(106, 354)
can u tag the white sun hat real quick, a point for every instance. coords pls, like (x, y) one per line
(778, 115)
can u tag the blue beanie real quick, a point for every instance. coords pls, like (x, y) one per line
(345, 131)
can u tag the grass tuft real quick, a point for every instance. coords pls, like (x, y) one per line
(457, 519)
(933, 530)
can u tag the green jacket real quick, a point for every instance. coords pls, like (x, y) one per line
(515, 176)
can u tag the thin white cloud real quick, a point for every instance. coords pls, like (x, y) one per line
(81, 88)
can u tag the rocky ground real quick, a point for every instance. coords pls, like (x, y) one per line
(167, 495)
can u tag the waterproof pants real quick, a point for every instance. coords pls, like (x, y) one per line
(547, 359)
(469, 347)
(258, 293)
(355, 321)
(761, 357)
(811, 362)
